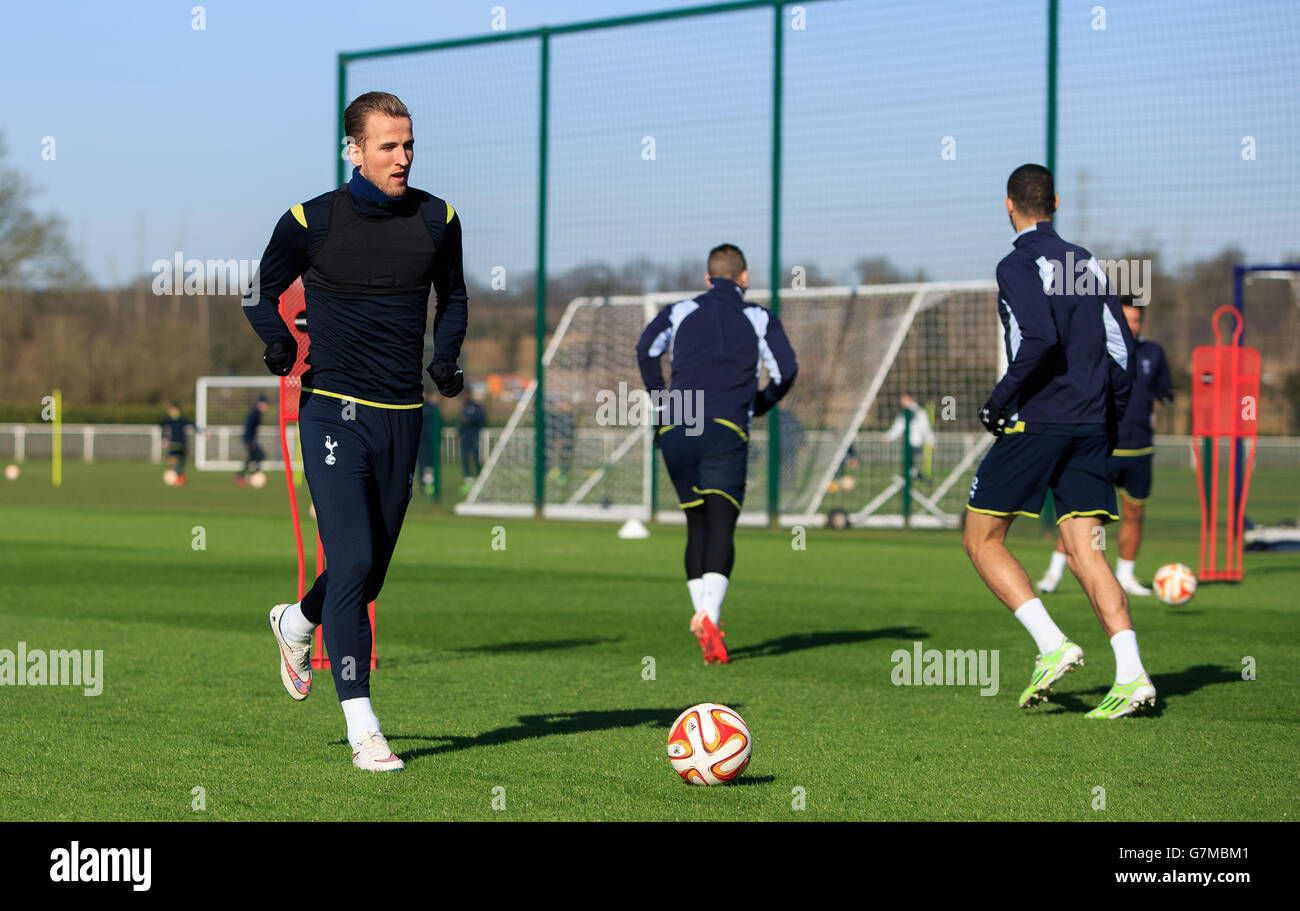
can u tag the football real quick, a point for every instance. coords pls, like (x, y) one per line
(1174, 584)
(709, 744)
(169, 477)
(11, 473)
(257, 479)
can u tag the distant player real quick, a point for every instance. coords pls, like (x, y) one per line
(430, 430)
(561, 430)
(920, 433)
(1131, 463)
(1055, 414)
(472, 419)
(256, 454)
(173, 431)
(368, 253)
(717, 344)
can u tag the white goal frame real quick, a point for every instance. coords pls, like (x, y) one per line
(922, 296)
(229, 437)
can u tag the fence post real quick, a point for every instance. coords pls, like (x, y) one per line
(774, 416)
(539, 400)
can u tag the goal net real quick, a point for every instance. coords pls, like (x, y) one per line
(222, 404)
(860, 350)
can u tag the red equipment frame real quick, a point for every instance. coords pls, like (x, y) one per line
(1225, 403)
(293, 310)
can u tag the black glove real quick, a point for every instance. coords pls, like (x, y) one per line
(1112, 431)
(992, 418)
(761, 404)
(449, 378)
(281, 355)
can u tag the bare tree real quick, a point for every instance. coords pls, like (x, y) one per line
(34, 251)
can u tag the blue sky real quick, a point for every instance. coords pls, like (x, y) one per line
(173, 138)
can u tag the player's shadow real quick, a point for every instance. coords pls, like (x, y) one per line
(541, 645)
(530, 727)
(1272, 568)
(1168, 686)
(798, 642)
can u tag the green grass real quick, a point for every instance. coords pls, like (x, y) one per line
(522, 669)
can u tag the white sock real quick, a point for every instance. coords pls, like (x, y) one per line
(1124, 569)
(360, 718)
(696, 588)
(1128, 662)
(1057, 566)
(1047, 636)
(294, 626)
(715, 590)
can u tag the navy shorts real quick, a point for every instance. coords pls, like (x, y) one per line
(1017, 472)
(1132, 475)
(713, 461)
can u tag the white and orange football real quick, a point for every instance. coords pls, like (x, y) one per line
(709, 744)
(1174, 584)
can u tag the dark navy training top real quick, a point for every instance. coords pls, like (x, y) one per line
(1069, 349)
(368, 262)
(718, 344)
(1151, 382)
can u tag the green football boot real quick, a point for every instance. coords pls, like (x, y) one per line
(1048, 669)
(1126, 698)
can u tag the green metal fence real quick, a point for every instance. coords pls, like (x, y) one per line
(840, 141)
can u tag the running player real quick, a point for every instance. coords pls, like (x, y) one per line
(256, 454)
(1055, 414)
(173, 431)
(718, 344)
(368, 254)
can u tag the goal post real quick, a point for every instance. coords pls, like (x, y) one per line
(596, 449)
(860, 350)
(221, 404)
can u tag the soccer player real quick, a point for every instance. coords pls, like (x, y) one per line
(561, 431)
(368, 253)
(472, 419)
(173, 430)
(430, 428)
(1054, 413)
(718, 344)
(1131, 463)
(256, 455)
(920, 434)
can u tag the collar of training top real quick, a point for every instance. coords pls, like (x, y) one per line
(363, 189)
(1044, 226)
(718, 282)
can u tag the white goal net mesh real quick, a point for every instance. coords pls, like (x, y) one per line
(860, 350)
(222, 404)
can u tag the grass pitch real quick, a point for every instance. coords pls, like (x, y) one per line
(523, 669)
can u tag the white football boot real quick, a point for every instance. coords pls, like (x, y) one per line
(295, 659)
(1048, 583)
(375, 756)
(1134, 587)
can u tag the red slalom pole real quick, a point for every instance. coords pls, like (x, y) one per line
(293, 494)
